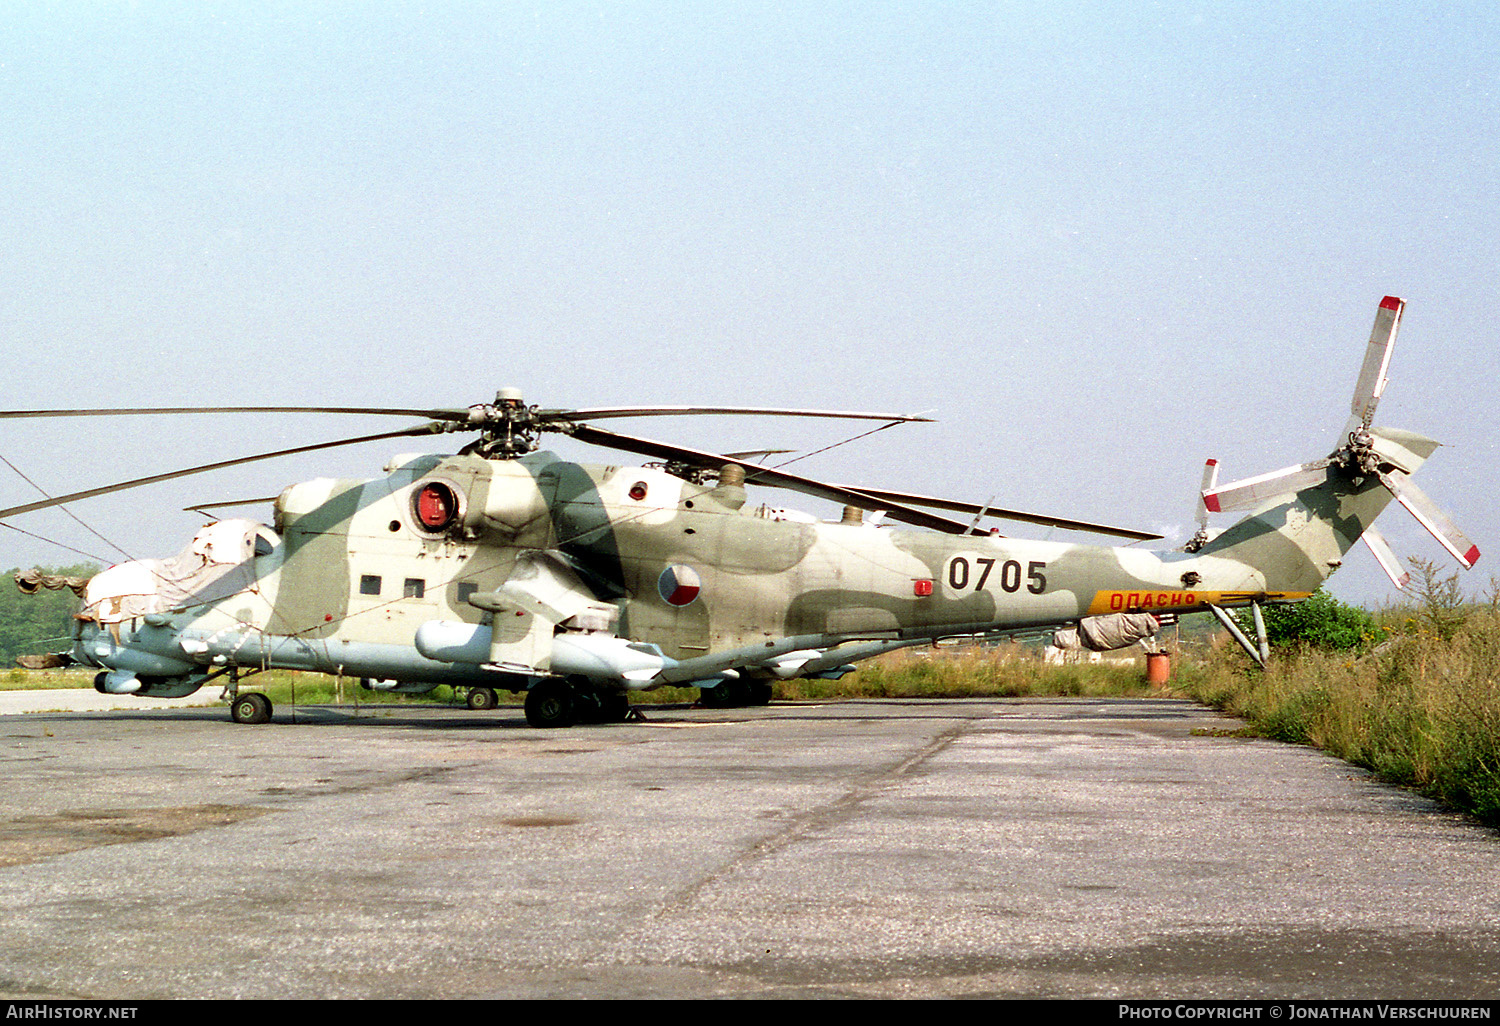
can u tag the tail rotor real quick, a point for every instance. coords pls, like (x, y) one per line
(1210, 479)
(1364, 451)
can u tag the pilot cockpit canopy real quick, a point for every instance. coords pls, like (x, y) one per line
(217, 563)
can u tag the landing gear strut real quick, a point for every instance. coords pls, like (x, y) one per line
(614, 706)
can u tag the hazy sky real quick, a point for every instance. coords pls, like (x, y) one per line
(1099, 242)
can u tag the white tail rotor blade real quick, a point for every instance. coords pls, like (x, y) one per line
(1429, 516)
(1252, 491)
(1386, 557)
(1210, 480)
(1372, 377)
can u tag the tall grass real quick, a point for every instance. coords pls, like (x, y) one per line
(971, 672)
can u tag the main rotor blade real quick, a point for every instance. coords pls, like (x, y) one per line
(1041, 519)
(746, 454)
(459, 415)
(466, 415)
(754, 473)
(1372, 377)
(1438, 523)
(603, 413)
(425, 429)
(204, 507)
(1254, 490)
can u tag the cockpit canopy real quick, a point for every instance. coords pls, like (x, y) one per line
(217, 563)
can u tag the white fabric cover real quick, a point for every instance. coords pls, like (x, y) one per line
(217, 563)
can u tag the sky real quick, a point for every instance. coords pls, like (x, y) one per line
(1098, 242)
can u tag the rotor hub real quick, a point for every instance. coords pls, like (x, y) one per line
(508, 428)
(1358, 455)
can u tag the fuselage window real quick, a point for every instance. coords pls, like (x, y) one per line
(369, 584)
(415, 588)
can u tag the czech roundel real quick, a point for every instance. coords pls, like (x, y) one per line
(678, 585)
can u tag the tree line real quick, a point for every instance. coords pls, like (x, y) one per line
(43, 622)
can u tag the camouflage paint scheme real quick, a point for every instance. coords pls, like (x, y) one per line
(752, 584)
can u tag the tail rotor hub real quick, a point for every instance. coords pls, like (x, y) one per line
(1358, 455)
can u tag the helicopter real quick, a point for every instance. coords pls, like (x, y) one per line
(505, 567)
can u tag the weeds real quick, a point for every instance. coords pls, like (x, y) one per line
(1440, 599)
(971, 673)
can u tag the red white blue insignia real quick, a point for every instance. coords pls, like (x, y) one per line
(678, 585)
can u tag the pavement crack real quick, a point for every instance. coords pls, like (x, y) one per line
(827, 814)
(384, 783)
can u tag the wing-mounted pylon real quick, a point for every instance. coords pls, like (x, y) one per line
(1387, 455)
(541, 594)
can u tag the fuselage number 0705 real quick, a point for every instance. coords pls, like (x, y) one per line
(963, 573)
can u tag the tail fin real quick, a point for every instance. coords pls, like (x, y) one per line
(1306, 518)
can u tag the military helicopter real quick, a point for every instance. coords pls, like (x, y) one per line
(505, 567)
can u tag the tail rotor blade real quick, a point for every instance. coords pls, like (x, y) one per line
(1210, 481)
(1372, 377)
(1437, 523)
(1252, 491)
(1386, 557)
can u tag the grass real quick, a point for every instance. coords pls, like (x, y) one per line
(18, 679)
(968, 672)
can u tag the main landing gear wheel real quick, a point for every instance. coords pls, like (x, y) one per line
(482, 698)
(735, 694)
(550, 704)
(251, 707)
(727, 694)
(614, 706)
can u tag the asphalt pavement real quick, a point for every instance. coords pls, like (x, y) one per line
(1008, 848)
